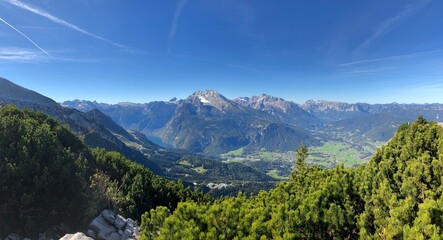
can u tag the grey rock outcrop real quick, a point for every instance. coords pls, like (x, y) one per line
(111, 226)
(13, 236)
(77, 236)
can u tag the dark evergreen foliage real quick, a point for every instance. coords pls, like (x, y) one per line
(43, 170)
(48, 178)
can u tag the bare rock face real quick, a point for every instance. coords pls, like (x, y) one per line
(13, 237)
(77, 236)
(111, 226)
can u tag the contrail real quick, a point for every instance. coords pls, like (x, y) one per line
(30, 40)
(60, 21)
(178, 11)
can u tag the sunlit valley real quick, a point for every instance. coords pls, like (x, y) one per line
(221, 120)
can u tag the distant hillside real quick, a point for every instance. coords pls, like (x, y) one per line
(145, 118)
(374, 121)
(285, 111)
(12, 93)
(335, 111)
(380, 127)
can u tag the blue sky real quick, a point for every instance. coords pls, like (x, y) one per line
(139, 51)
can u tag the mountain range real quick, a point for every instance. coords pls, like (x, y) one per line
(207, 122)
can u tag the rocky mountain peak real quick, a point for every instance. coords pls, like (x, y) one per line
(83, 105)
(323, 105)
(211, 98)
(264, 102)
(242, 99)
(207, 95)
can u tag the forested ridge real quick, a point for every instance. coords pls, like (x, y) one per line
(397, 195)
(51, 182)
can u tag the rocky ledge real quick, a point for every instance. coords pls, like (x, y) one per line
(107, 226)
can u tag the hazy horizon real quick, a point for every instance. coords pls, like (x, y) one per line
(232, 98)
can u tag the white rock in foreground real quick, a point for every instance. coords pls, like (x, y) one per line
(77, 236)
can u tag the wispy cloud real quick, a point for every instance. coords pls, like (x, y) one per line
(60, 21)
(29, 39)
(22, 55)
(388, 25)
(371, 70)
(425, 91)
(436, 87)
(178, 10)
(226, 64)
(238, 66)
(390, 58)
(426, 64)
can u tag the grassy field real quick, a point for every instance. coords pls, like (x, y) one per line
(235, 153)
(185, 163)
(276, 174)
(270, 156)
(201, 170)
(333, 153)
(328, 155)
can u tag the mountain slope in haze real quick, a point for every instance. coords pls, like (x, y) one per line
(110, 125)
(330, 111)
(286, 111)
(335, 111)
(145, 118)
(11, 93)
(379, 127)
(368, 121)
(85, 126)
(209, 122)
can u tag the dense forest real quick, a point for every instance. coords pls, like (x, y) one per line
(397, 195)
(51, 182)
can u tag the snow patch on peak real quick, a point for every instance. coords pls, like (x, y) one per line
(212, 98)
(203, 99)
(209, 97)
